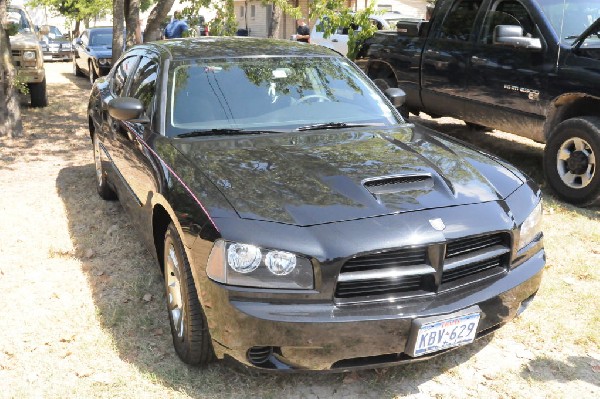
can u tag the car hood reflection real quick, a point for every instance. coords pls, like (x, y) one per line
(316, 177)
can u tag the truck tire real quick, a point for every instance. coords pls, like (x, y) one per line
(38, 94)
(571, 160)
(383, 84)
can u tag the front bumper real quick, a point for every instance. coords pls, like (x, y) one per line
(325, 336)
(57, 55)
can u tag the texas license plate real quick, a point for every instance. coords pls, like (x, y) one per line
(437, 335)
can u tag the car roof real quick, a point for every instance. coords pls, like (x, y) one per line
(100, 28)
(239, 46)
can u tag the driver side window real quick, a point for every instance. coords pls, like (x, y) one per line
(122, 71)
(507, 12)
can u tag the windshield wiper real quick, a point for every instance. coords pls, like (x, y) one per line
(221, 132)
(332, 125)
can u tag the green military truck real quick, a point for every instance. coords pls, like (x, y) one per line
(27, 54)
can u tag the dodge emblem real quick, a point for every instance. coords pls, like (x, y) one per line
(437, 224)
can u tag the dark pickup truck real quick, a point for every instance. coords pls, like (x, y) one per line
(529, 67)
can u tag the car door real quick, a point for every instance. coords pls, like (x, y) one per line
(446, 56)
(79, 53)
(506, 81)
(137, 162)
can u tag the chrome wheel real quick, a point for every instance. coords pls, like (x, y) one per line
(174, 298)
(576, 163)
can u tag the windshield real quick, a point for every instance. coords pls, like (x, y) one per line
(18, 17)
(101, 39)
(271, 94)
(577, 15)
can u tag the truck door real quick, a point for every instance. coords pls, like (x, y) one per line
(446, 56)
(508, 72)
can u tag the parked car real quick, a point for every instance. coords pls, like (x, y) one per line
(338, 41)
(529, 67)
(293, 211)
(92, 54)
(55, 45)
(27, 54)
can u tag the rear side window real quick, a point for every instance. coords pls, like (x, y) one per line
(458, 24)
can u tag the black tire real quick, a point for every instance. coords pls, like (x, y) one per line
(93, 75)
(385, 83)
(76, 70)
(104, 190)
(574, 176)
(38, 94)
(189, 328)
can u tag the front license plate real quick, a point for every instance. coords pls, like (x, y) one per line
(442, 334)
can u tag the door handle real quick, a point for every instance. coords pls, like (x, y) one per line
(334, 40)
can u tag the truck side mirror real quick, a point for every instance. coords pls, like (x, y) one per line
(512, 35)
(396, 96)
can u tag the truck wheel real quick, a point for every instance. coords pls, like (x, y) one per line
(189, 327)
(39, 96)
(383, 84)
(571, 159)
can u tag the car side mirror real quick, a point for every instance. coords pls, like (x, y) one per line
(78, 41)
(512, 35)
(396, 96)
(127, 109)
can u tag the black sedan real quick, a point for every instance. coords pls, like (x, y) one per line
(299, 222)
(92, 53)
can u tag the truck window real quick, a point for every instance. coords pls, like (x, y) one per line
(507, 12)
(459, 21)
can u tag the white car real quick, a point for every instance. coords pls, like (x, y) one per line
(338, 41)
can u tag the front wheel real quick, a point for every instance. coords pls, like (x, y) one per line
(38, 93)
(571, 160)
(189, 328)
(104, 190)
(93, 74)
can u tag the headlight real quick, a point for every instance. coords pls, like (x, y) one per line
(531, 227)
(250, 266)
(29, 55)
(103, 61)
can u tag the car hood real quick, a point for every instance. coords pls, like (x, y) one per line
(24, 41)
(101, 51)
(320, 177)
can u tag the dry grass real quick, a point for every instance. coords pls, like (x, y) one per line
(78, 321)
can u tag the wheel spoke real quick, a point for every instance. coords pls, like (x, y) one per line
(580, 145)
(174, 297)
(586, 178)
(569, 178)
(564, 154)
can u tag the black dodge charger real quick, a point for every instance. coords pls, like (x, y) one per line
(299, 221)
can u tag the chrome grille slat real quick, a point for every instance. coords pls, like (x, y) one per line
(406, 271)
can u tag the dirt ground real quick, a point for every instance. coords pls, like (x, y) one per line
(84, 314)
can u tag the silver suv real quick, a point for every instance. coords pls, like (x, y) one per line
(27, 54)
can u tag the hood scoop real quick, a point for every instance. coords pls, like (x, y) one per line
(398, 183)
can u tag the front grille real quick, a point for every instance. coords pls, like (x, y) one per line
(409, 271)
(16, 53)
(384, 260)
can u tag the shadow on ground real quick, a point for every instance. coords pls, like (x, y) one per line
(121, 273)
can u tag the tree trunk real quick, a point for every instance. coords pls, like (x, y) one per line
(10, 113)
(132, 17)
(118, 26)
(159, 13)
(275, 18)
